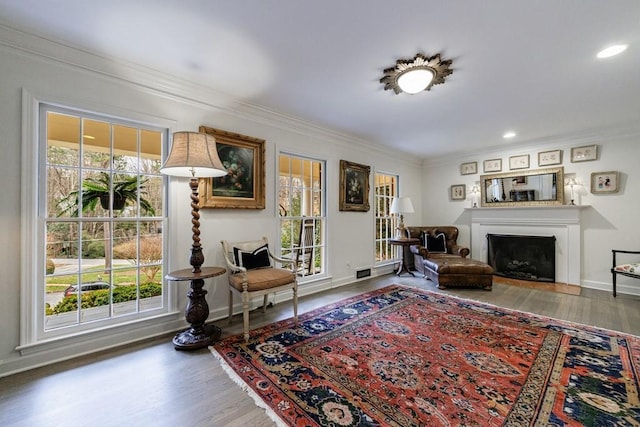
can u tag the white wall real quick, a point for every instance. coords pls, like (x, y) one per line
(611, 221)
(88, 82)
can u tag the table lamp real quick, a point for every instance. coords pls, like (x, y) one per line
(401, 205)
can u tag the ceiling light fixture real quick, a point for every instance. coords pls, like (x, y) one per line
(416, 75)
(612, 51)
(509, 134)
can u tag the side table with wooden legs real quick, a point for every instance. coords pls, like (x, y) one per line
(404, 243)
(199, 334)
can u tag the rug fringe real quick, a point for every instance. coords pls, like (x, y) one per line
(243, 385)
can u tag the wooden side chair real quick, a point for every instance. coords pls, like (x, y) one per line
(304, 249)
(631, 269)
(252, 273)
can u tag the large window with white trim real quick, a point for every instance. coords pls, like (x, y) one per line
(385, 189)
(100, 221)
(302, 213)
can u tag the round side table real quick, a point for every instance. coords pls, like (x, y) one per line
(403, 243)
(199, 334)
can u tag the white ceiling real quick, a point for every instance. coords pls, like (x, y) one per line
(527, 66)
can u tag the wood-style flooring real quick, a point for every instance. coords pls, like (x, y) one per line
(151, 384)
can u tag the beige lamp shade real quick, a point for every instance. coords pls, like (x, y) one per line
(401, 205)
(193, 155)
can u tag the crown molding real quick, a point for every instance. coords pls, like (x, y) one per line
(177, 89)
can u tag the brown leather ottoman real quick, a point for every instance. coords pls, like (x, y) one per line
(458, 272)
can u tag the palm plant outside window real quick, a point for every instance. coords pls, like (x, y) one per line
(103, 219)
(302, 212)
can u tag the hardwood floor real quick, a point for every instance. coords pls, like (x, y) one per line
(151, 384)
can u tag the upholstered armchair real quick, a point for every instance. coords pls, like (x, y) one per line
(253, 273)
(435, 242)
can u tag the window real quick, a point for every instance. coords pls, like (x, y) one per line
(386, 188)
(302, 213)
(100, 222)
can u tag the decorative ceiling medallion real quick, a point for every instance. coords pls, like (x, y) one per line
(431, 71)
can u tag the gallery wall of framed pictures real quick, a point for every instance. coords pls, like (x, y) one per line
(600, 182)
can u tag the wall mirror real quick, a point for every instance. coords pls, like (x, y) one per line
(536, 187)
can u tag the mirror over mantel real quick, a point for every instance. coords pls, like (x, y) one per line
(534, 187)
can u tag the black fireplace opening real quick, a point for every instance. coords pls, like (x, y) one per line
(523, 257)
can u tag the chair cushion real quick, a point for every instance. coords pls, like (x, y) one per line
(259, 258)
(633, 268)
(435, 244)
(264, 278)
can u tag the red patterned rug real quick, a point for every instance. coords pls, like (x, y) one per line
(405, 357)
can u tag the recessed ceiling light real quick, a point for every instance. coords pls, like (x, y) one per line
(508, 135)
(612, 51)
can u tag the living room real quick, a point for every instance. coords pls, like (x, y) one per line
(36, 69)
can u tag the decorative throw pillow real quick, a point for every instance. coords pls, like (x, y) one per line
(259, 258)
(436, 244)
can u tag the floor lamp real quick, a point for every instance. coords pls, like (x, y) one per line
(194, 155)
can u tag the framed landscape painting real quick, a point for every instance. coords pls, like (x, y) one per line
(354, 187)
(243, 186)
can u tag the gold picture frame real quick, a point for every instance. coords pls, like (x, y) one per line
(550, 158)
(469, 168)
(354, 187)
(244, 186)
(519, 162)
(492, 165)
(458, 192)
(585, 153)
(605, 182)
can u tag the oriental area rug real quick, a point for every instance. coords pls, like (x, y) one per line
(400, 356)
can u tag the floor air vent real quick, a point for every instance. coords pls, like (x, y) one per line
(365, 272)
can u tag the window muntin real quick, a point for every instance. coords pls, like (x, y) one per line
(385, 189)
(301, 211)
(101, 197)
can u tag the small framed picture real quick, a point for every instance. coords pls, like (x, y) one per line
(493, 165)
(519, 162)
(548, 158)
(469, 168)
(584, 154)
(458, 192)
(605, 182)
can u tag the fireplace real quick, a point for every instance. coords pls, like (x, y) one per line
(522, 257)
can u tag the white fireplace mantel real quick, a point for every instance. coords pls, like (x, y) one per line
(563, 222)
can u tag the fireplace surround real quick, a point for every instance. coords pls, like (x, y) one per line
(563, 222)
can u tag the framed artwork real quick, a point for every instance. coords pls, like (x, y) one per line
(493, 165)
(519, 180)
(243, 186)
(605, 182)
(354, 187)
(469, 168)
(458, 192)
(548, 158)
(519, 162)
(584, 154)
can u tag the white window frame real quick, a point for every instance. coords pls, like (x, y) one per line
(33, 337)
(322, 218)
(384, 201)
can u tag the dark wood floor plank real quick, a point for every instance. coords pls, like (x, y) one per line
(151, 384)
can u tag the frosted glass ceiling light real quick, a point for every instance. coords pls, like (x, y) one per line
(416, 75)
(415, 80)
(612, 51)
